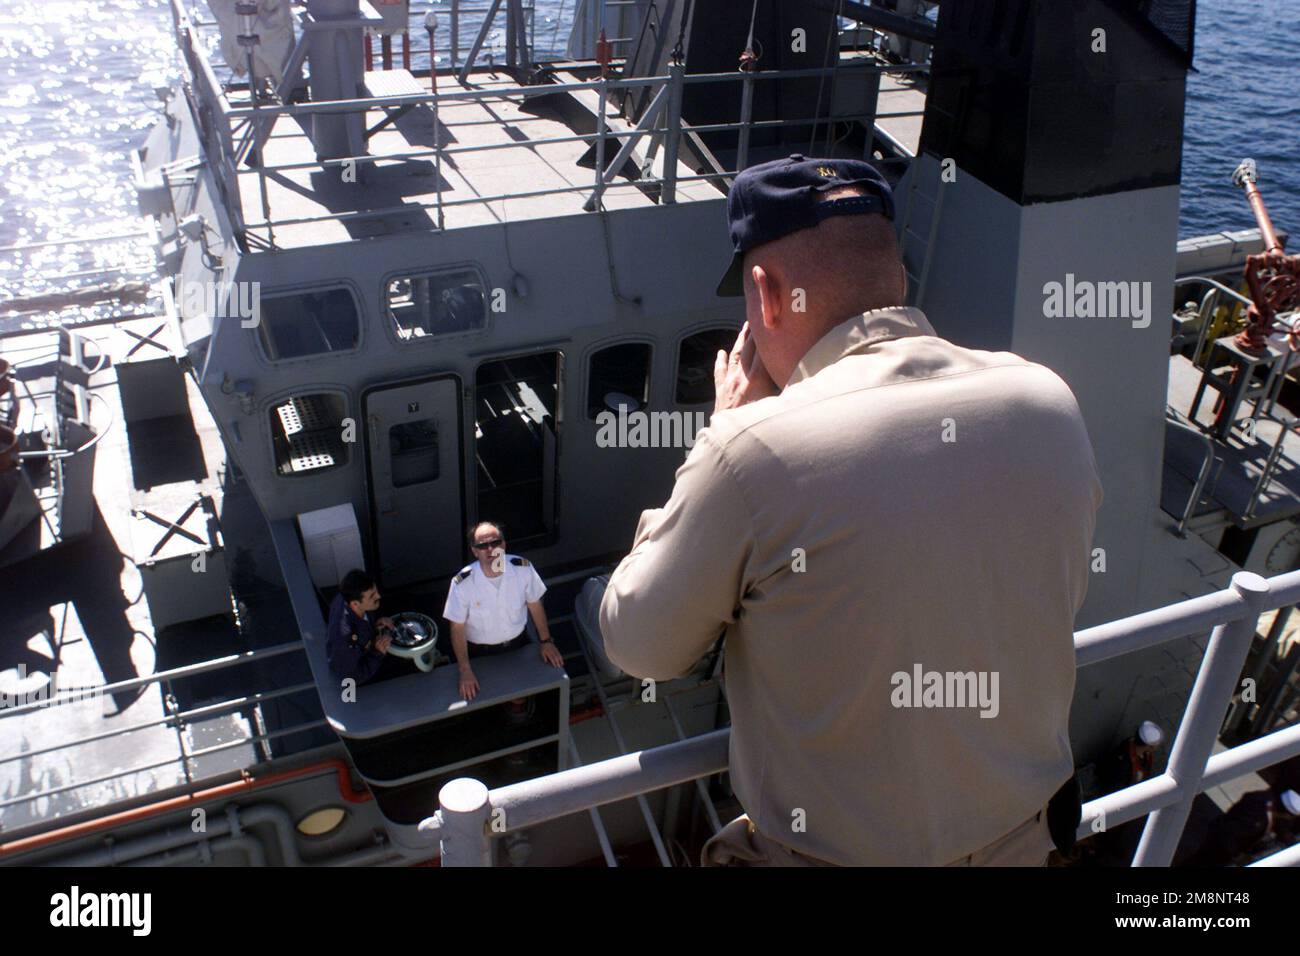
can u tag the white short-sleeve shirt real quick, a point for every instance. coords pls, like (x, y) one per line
(493, 614)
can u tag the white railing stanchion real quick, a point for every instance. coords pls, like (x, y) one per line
(463, 808)
(1206, 707)
(1288, 857)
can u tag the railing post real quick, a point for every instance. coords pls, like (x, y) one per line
(463, 806)
(437, 156)
(512, 56)
(455, 33)
(746, 119)
(653, 114)
(1206, 707)
(593, 203)
(673, 137)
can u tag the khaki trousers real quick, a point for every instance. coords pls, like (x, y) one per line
(739, 843)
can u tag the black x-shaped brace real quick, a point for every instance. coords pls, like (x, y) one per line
(145, 340)
(173, 527)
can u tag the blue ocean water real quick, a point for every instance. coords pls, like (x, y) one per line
(1243, 101)
(76, 93)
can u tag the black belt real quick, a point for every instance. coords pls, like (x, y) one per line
(518, 640)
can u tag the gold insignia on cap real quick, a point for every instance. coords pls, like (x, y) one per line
(827, 172)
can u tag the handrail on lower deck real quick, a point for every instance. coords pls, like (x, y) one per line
(1202, 475)
(466, 805)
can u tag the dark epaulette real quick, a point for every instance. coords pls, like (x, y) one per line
(519, 562)
(464, 573)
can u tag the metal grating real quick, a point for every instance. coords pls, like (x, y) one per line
(313, 450)
(304, 414)
(311, 437)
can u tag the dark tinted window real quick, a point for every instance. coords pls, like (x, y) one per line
(617, 374)
(309, 323)
(695, 361)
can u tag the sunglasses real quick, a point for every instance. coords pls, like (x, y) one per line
(479, 545)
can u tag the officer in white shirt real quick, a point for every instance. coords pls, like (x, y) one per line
(489, 602)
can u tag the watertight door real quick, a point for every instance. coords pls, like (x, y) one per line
(413, 435)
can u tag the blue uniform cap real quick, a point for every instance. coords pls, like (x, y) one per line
(772, 200)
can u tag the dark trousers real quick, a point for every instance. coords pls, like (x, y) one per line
(392, 667)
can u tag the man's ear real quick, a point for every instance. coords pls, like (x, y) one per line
(768, 296)
(902, 273)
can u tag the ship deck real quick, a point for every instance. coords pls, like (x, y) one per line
(491, 147)
(902, 94)
(1239, 462)
(84, 619)
(477, 160)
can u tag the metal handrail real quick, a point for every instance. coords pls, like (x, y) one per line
(550, 89)
(189, 670)
(219, 117)
(184, 757)
(1198, 486)
(500, 197)
(465, 805)
(217, 135)
(180, 718)
(441, 203)
(1209, 305)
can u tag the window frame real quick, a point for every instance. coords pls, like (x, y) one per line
(437, 446)
(344, 284)
(419, 273)
(283, 396)
(601, 346)
(677, 355)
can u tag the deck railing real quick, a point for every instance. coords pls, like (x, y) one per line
(232, 133)
(462, 821)
(470, 815)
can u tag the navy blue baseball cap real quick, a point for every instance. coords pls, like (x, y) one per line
(772, 200)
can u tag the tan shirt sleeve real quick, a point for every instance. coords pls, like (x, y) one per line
(681, 585)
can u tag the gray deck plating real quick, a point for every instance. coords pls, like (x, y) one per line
(521, 165)
(82, 617)
(1231, 483)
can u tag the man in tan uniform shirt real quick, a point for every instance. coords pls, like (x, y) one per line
(893, 543)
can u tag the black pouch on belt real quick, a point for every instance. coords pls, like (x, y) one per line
(1064, 811)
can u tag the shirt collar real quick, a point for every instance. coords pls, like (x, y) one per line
(857, 334)
(483, 575)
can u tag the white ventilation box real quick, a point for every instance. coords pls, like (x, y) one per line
(332, 542)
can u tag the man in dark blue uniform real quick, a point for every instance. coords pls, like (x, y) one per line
(352, 646)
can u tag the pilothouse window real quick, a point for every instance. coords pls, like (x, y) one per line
(618, 376)
(695, 364)
(436, 304)
(308, 323)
